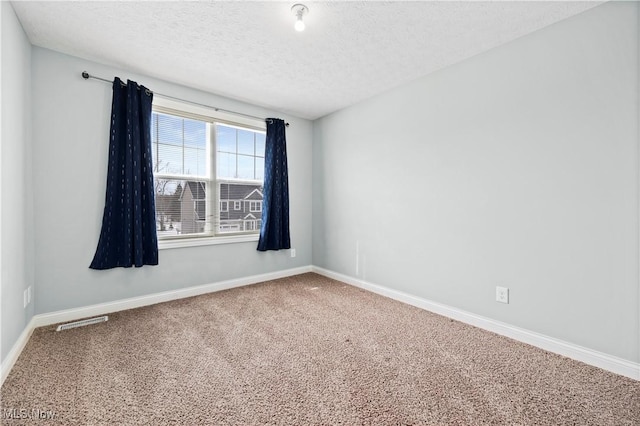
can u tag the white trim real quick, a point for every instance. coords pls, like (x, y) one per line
(588, 356)
(203, 113)
(166, 296)
(172, 243)
(597, 359)
(257, 207)
(251, 193)
(74, 314)
(16, 350)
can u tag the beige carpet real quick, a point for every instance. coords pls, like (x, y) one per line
(304, 350)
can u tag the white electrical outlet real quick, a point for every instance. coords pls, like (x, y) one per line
(293, 252)
(502, 294)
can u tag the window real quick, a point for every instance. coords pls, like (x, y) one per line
(255, 206)
(203, 161)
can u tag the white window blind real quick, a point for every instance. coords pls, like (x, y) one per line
(208, 176)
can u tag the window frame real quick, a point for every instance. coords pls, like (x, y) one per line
(210, 115)
(257, 208)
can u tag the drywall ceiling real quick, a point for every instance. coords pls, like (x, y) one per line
(350, 51)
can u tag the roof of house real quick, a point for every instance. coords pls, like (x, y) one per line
(240, 191)
(197, 190)
(198, 193)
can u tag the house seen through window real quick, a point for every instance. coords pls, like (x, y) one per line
(208, 175)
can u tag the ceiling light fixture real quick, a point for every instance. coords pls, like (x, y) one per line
(299, 10)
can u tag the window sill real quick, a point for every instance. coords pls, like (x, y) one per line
(205, 241)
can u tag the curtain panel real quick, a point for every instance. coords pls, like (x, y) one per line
(274, 233)
(128, 235)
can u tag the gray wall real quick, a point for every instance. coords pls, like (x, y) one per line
(70, 141)
(517, 167)
(16, 242)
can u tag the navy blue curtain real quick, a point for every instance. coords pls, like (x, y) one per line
(128, 237)
(274, 233)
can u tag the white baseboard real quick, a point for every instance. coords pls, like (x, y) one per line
(166, 296)
(16, 350)
(579, 353)
(588, 356)
(134, 302)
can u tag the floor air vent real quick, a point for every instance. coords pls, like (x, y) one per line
(81, 323)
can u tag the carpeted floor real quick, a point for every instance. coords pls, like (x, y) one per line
(303, 350)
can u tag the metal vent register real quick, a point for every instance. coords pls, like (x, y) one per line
(81, 323)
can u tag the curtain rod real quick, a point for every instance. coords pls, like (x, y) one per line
(87, 76)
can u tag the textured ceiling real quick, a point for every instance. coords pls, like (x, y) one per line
(249, 51)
